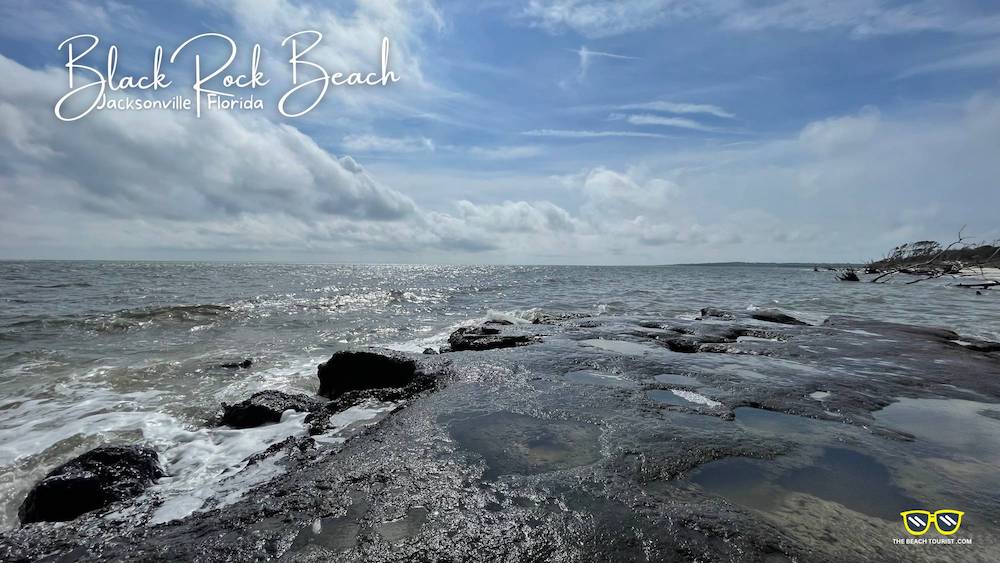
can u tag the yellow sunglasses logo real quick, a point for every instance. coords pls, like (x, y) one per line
(917, 522)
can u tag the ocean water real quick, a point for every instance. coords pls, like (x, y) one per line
(97, 352)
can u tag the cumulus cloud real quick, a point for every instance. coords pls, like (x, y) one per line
(827, 137)
(231, 182)
(236, 182)
(173, 165)
(516, 217)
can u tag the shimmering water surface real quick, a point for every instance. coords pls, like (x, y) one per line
(92, 352)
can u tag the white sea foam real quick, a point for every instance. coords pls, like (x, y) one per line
(208, 463)
(516, 316)
(438, 339)
(344, 420)
(207, 468)
(85, 410)
(696, 398)
(421, 343)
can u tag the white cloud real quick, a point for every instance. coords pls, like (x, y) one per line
(352, 36)
(173, 165)
(679, 122)
(587, 56)
(831, 136)
(513, 152)
(375, 143)
(680, 108)
(597, 18)
(228, 182)
(979, 56)
(584, 134)
(518, 217)
(29, 19)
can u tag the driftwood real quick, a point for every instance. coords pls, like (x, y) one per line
(929, 260)
(848, 275)
(983, 285)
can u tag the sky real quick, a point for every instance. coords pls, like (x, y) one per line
(519, 132)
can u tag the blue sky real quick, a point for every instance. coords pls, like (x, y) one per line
(537, 131)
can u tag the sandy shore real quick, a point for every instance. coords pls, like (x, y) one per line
(987, 274)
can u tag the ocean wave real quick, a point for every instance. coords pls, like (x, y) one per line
(516, 316)
(127, 319)
(337, 300)
(439, 337)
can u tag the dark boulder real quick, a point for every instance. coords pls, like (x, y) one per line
(100, 477)
(486, 338)
(430, 351)
(245, 364)
(776, 316)
(681, 344)
(551, 319)
(712, 312)
(264, 407)
(361, 370)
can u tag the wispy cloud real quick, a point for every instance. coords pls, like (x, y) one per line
(979, 57)
(375, 143)
(680, 108)
(583, 134)
(587, 56)
(505, 153)
(860, 18)
(649, 119)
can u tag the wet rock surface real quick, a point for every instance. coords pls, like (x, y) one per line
(712, 312)
(364, 370)
(487, 337)
(619, 438)
(94, 480)
(776, 316)
(266, 407)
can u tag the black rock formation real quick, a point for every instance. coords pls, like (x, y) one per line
(94, 480)
(776, 316)
(361, 370)
(712, 312)
(266, 406)
(486, 338)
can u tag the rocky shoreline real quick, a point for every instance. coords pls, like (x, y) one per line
(591, 438)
